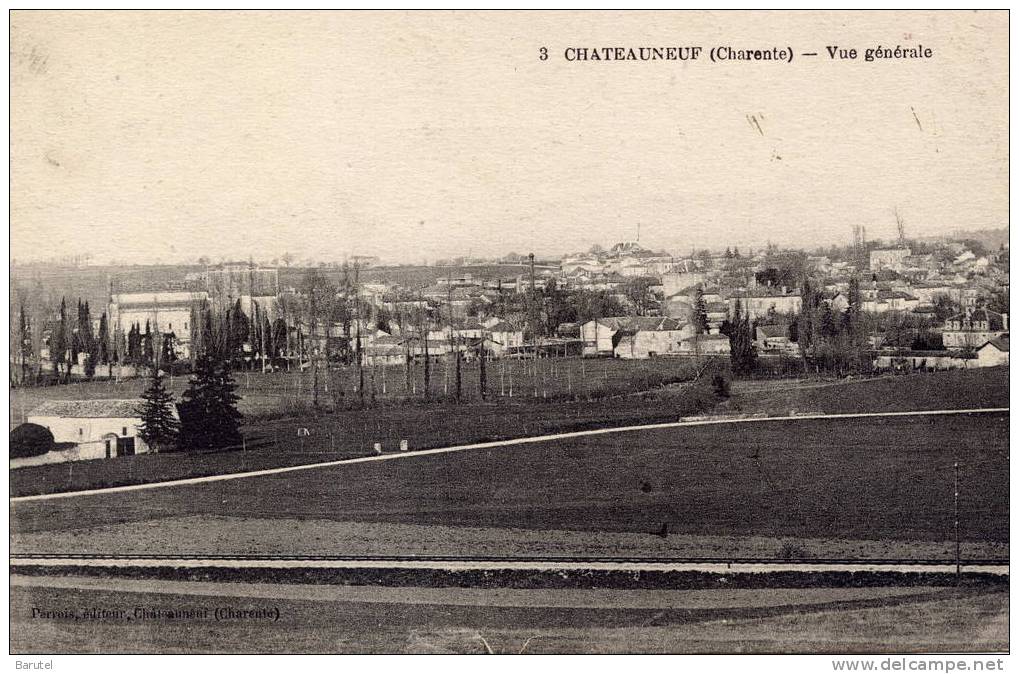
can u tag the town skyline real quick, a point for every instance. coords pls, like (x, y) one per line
(288, 258)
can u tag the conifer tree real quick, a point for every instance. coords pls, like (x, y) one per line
(209, 416)
(159, 427)
(741, 343)
(103, 345)
(58, 341)
(24, 343)
(700, 314)
(74, 337)
(147, 353)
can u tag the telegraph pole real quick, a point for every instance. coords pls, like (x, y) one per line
(958, 546)
(530, 257)
(424, 341)
(482, 374)
(531, 311)
(357, 319)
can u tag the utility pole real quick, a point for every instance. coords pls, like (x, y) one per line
(531, 312)
(406, 355)
(530, 257)
(454, 345)
(427, 363)
(958, 546)
(357, 318)
(482, 374)
(313, 302)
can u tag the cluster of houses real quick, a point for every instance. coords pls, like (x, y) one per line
(893, 282)
(469, 312)
(475, 315)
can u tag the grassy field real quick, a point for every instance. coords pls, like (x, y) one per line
(288, 393)
(956, 389)
(876, 479)
(333, 619)
(303, 535)
(350, 433)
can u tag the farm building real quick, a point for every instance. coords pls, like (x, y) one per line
(386, 350)
(993, 352)
(705, 345)
(764, 300)
(98, 429)
(602, 336)
(890, 300)
(503, 336)
(775, 339)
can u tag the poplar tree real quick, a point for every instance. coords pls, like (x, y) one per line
(103, 346)
(58, 341)
(741, 343)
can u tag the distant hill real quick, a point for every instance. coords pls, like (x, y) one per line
(992, 239)
(92, 283)
(416, 276)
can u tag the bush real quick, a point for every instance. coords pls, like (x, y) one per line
(720, 386)
(791, 550)
(30, 440)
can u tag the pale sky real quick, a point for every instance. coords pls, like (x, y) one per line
(160, 137)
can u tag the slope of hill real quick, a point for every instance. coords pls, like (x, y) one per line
(955, 389)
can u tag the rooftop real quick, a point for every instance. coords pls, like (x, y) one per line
(1000, 342)
(91, 409)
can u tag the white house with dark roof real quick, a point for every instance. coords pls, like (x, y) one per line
(100, 429)
(775, 339)
(760, 301)
(884, 301)
(993, 352)
(504, 336)
(633, 336)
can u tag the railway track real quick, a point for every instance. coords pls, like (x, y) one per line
(496, 563)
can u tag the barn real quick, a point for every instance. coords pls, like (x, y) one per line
(98, 429)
